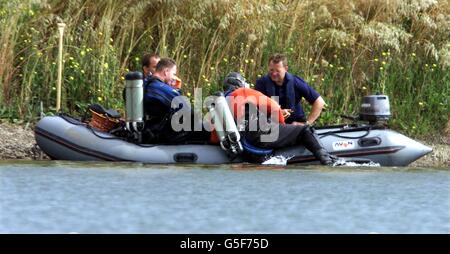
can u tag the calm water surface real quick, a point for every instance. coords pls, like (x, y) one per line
(63, 197)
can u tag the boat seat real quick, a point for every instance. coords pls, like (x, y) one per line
(101, 110)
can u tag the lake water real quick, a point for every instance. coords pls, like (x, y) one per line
(64, 197)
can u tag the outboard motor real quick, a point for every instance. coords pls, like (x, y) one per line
(225, 126)
(134, 99)
(375, 109)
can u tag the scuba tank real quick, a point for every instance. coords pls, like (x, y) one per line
(134, 99)
(225, 126)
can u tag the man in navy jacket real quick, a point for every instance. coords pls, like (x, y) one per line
(162, 102)
(290, 90)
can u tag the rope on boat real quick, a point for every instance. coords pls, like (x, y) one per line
(334, 133)
(74, 121)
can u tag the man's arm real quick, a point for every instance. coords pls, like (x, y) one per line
(312, 96)
(316, 109)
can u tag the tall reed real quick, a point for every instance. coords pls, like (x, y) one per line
(345, 49)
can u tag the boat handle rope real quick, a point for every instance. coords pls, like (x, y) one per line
(334, 133)
(67, 117)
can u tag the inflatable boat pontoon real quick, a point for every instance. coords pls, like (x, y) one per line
(65, 138)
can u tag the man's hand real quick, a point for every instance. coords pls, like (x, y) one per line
(301, 123)
(286, 112)
(298, 123)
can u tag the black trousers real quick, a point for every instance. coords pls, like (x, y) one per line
(288, 135)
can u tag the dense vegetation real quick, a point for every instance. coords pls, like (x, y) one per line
(344, 48)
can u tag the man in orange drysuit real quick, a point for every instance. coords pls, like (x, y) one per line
(243, 99)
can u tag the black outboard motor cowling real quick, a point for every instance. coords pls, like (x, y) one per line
(375, 109)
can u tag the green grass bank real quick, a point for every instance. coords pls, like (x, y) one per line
(344, 49)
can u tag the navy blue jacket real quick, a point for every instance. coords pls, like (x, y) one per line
(161, 101)
(290, 94)
(156, 90)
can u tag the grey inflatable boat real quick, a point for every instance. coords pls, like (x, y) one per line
(65, 138)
